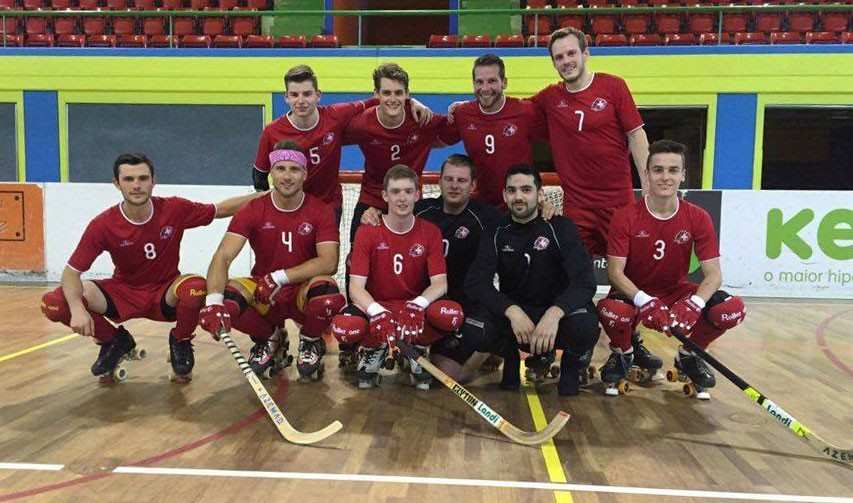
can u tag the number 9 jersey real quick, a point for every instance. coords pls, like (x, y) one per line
(658, 251)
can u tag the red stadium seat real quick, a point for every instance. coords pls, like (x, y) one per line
(259, 42)
(183, 26)
(768, 21)
(8, 5)
(714, 39)
(172, 4)
(667, 23)
(509, 41)
(325, 41)
(663, 3)
(847, 37)
(94, 25)
(39, 40)
(212, 26)
(443, 41)
(609, 39)
(834, 21)
(735, 22)
(199, 4)
(101, 41)
(144, 4)
(243, 26)
(227, 4)
(801, 22)
(64, 26)
(541, 23)
(195, 41)
(292, 41)
(680, 39)
(476, 41)
(152, 26)
(162, 41)
(12, 40)
(71, 40)
(10, 25)
(633, 24)
(124, 26)
(132, 41)
(751, 38)
(60, 5)
(822, 37)
(603, 24)
(701, 22)
(646, 39)
(35, 25)
(786, 37)
(540, 41)
(232, 41)
(597, 3)
(34, 5)
(257, 4)
(569, 20)
(88, 4)
(117, 4)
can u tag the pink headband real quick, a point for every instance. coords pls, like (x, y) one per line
(288, 155)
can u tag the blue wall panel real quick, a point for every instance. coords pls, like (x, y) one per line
(41, 133)
(734, 147)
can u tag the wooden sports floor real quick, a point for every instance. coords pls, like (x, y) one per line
(65, 437)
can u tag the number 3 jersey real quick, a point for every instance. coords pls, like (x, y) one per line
(658, 251)
(284, 238)
(144, 253)
(397, 265)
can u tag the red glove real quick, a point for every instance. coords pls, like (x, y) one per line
(383, 328)
(411, 321)
(685, 313)
(655, 315)
(266, 289)
(215, 319)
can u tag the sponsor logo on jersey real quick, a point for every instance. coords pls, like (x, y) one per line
(268, 226)
(382, 246)
(510, 129)
(304, 229)
(413, 138)
(329, 138)
(125, 243)
(166, 232)
(375, 142)
(462, 232)
(472, 127)
(541, 243)
(508, 248)
(562, 104)
(598, 105)
(683, 237)
(416, 250)
(643, 233)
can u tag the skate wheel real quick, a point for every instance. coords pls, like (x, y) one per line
(689, 390)
(120, 374)
(703, 395)
(623, 386)
(671, 375)
(611, 390)
(141, 354)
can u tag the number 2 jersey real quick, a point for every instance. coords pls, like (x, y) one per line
(144, 253)
(658, 251)
(284, 238)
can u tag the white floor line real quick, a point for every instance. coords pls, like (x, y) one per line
(31, 466)
(545, 486)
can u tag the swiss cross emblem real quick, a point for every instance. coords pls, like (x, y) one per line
(541, 243)
(304, 229)
(413, 138)
(166, 232)
(462, 232)
(510, 129)
(683, 237)
(599, 104)
(329, 138)
(416, 250)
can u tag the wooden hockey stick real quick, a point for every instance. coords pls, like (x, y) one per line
(835, 453)
(287, 431)
(511, 431)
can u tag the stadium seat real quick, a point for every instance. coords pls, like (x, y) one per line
(117, 4)
(847, 37)
(10, 25)
(161, 41)
(822, 37)
(509, 41)
(194, 41)
(664, 3)
(701, 22)
(540, 41)
(199, 4)
(768, 21)
(259, 42)
(153, 26)
(123, 26)
(131, 41)
(603, 24)
(569, 20)
(476, 41)
(541, 23)
(610, 39)
(34, 5)
(714, 39)
(212, 26)
(65, 26)
(292, 41)
(144, 4)
(667, 23)
(71, 40)
(257, 4)
(39, 40)
(60, 5)
(232, 41)
(88, 4)
(635, 24)
(801, 22)
(734, 22)
(751, 38)
(101, 40)
(786, 37)
(183, 26)
(94, 25)
(8, 5)
(243, 26)
(835, 22)
(172, 4)
(325, 41)
(597, 3)
(228, 4)
(12, 40)
(680, 39)
(35, 25)
(646, 39)
(443, 41)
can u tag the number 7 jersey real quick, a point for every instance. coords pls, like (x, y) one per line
(658, 251)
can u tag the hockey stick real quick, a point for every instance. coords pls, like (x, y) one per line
(287, 431)
(835, 453)
(512, 432)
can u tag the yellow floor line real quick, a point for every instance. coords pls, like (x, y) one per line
(553, 464)
(36, 348)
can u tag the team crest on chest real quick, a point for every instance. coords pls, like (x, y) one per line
(472, 127)
(413, 138)
(462, 232)
(683, 237)
(510, 129)
(304, 229)
(416, 250)
(329, 138)
(541, 243)
(598, 105)
(167, 232)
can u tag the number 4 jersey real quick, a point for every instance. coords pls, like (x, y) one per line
(657, 251)
(144, 253)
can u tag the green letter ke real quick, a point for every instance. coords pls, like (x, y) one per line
(836, 226)
(779, 232)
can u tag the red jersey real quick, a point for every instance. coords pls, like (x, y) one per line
(397, 266)
(322, 144)
(496, 141)
(284, 238)
(143, 253)
(587, 131)
(658, 251)
(407, 144)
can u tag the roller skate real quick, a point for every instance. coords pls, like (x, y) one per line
(107, 366)
(646, 365)
(540, 367)
(347, 358)
(262, 357)
(573, 372)
(370, 362)
(696, 375)
(309, 363)
(182, 358)
(281, 357)
(418, 377)
(614, 372)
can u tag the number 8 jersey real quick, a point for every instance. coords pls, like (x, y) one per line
(657, 251)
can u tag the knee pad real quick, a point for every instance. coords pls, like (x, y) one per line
(617, 317)
(348, 328)
(724, 311)
(191, 292)
(55, 307)
(323, 300)
(445, 315)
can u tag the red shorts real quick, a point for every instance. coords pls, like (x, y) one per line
(131, 301)
(683, 291)
(285, 306)
(593, 225)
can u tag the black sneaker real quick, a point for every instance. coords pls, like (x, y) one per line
(112, 352)
(696, 369)
(644, 358)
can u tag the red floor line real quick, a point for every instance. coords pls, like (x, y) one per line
(280, 394)
(821, 342)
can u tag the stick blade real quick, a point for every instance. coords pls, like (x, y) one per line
(295, 436)
(537, 437)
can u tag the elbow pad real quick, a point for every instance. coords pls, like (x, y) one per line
(259, 179)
